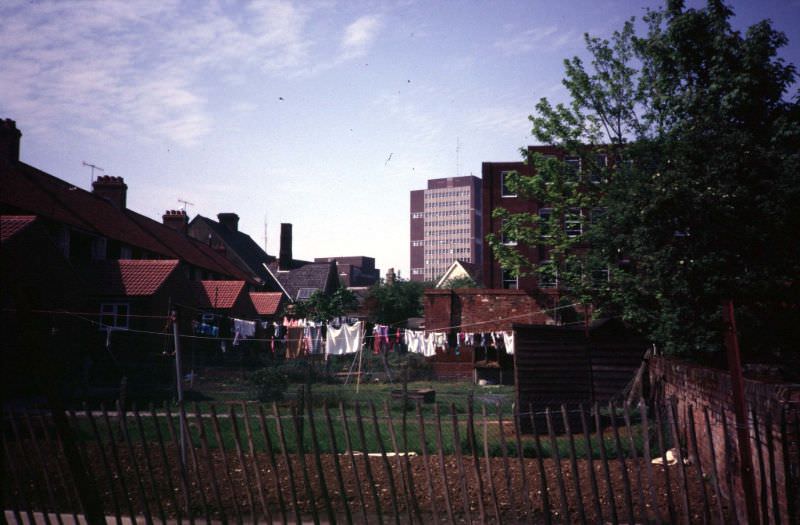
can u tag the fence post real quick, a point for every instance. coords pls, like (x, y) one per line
(743, 436)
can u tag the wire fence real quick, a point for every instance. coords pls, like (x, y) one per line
(367, 463)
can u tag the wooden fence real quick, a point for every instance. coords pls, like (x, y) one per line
(259, 463)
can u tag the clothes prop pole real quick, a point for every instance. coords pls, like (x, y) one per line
(179, 378)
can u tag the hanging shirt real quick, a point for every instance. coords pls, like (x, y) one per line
(344, 340)
(415, 341)
(508, 339)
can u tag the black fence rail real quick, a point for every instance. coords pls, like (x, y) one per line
(364, 464)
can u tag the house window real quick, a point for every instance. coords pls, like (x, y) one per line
(544, 221)
(99, 249)
(548, 275)
(510, 281)
(504, 189)
(573, 167)
(506, 240)
(114, 315)
(600, 277)
(600, 161)
(572, 222)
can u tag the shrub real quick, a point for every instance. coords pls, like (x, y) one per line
(298, 370)
(268, 384)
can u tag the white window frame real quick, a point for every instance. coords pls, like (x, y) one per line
(509, 282)
(503, 239)
(545, 225)
(503, 193)
(111, 311)
(576, 162)
(577, 213)
(596, 177)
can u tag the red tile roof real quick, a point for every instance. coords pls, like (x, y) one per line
(219, 294)
(139, 277)
(11, 225)
(266, 303)
(29, 190)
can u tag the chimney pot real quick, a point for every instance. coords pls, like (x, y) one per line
(9, 140)
(176, 219)
(229, 220)
(112, 189)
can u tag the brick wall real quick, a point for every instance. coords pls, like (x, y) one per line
(479, 310)
(698, 389)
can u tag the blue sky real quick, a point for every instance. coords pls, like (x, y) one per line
(322, 113)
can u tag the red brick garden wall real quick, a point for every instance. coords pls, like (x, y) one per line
(479, 310)
(700, 389)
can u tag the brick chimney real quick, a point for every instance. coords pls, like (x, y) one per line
(229, 220)
(112, 189)
(176, 219)
(9, 140)
(285, 254)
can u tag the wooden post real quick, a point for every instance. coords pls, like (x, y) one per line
(289, 469)
(179, 386)
(489, 473)
(576, 479)
(349, 445)
(428, 475)
(248, 484)
(742, 433)
(556, 457)
(587, 441)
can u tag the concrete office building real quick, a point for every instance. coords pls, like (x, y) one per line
(445, 224)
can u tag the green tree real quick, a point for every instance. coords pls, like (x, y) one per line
(395, 303)
(700, 200)
(321, 307)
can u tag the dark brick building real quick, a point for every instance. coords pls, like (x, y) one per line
(354, 271)
(496, 195)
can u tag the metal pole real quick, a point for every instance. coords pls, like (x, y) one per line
(743, 435)
(179, 383)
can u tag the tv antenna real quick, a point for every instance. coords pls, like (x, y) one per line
(93, 167)
(185, 203)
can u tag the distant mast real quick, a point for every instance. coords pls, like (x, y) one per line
(458, 156)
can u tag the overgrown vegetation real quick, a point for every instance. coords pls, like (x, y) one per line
(698, 202)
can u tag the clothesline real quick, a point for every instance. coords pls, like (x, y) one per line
(439, 329)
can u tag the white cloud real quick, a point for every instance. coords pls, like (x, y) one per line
(540, 39)
(359, 35)
(115, 67)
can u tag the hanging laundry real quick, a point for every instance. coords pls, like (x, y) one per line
(415, 341)
(294, 342)
(344, 340)
(243, 330)
(508, 339)
(438, 340)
